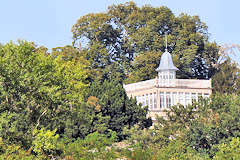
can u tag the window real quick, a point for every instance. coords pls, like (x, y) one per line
(199, 95)
(180, 98)
(187, 98)
(160, 75)
(168, 99)
(137, 98)
(150, 101)
(140, 99)
(174, 98)
(165, 75)
(147, 100)
(155, 100)
(161, 100)
(194, 97)
(143, 100)
(171, 75)
(206, 95)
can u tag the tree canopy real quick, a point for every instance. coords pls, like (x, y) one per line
(121, 111)
(126, 35)
(71, 104)
(36, 90)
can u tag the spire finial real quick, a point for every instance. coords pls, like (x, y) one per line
(166, 41)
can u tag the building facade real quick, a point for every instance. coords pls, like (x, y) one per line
(164, 91)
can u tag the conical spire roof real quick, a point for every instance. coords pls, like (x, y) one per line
(166, 62)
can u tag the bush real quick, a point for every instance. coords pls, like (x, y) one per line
(228, 150)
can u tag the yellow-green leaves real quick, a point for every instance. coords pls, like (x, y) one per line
(37, 90)
(45, 141)
(228, 150)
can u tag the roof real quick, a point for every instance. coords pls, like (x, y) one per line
(140, 85)
(179, 83)
(166, 62)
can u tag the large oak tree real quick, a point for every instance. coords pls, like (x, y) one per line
(125, 36)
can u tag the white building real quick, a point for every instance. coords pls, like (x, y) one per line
(164, 91)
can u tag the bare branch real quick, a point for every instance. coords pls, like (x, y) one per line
(228, 50)
(38, 121)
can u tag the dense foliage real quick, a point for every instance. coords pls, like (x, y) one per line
(227, 78)
(46, 99)
(205, 130)
(121, 111)
(70, 104)
(129, 39)
(36, 91)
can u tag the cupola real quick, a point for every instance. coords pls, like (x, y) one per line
(166, 63)
(166, 70)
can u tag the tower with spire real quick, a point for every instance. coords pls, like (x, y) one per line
(166, 69)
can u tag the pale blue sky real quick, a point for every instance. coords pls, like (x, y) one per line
(49, 22)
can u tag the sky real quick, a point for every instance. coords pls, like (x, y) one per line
(49, 22)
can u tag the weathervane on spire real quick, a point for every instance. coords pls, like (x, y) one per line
(166, 41)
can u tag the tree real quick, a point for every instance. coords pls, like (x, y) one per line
(45, 143)
(227, 78)
(228, 151)
(114, 103)
(37, 91)
(144, 67)
(14, 151)
(126, 32)
(72, 54)
(203, 125)
(179, 150)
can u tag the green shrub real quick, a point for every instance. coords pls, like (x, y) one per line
(94, 146)
(228, 150)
